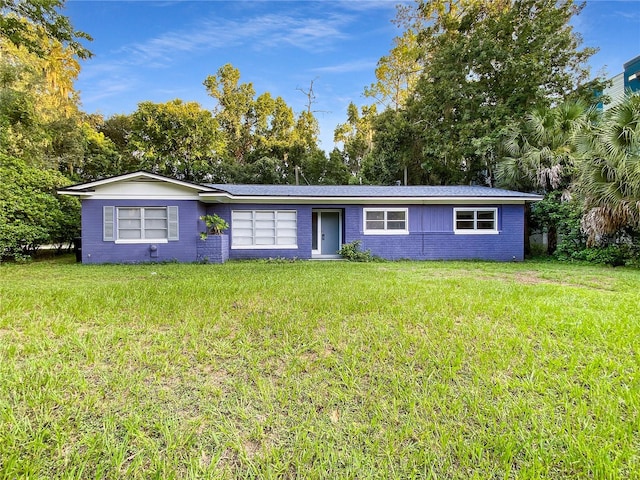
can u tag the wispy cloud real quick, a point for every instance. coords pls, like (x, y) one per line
(258, 33)
(111, 87)
(633, 16)
(348, 67)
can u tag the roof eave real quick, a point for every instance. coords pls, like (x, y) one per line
(131, 176)
(230, 198)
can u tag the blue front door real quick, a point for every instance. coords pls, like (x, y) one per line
(327, 232)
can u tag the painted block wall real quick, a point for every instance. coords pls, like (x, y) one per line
(95, 250)
(213, 249)
(431, 234)
(432, 238)
(304, 231)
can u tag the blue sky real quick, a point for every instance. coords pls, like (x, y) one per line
(162, 50)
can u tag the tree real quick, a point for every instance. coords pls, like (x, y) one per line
(260, 129)
(31, 214)
(356, 135)
(609, 178)
(397, 73)
(540, 156)
(394, 157)
(40, 107)
(317, 169)
(32, 23)
(488, 63)
(177, 139)
(235, 111)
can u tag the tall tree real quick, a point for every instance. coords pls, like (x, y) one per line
(176, 139)
(356, 135)
(32, 23)
(488, 63)
(235, 111)
(610, 170)
(397, 73)
(40, 108)
(540, 155)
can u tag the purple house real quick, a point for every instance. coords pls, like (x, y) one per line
(145, 217)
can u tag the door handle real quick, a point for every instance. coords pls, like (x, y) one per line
(323, 236)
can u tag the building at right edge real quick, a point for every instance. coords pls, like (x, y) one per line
(627, 80)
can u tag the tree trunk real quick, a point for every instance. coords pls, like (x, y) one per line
(552, 239)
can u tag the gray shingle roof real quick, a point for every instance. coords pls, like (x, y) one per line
(367, 191)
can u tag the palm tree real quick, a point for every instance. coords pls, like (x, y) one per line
(609, 176)
(540, 155)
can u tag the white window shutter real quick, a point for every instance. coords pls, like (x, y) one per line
(108, 224)
(172, 216)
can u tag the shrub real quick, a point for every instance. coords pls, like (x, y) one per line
(216, 225)
(351, 251)
(31, 213)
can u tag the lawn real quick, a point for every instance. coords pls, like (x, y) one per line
(319, 370)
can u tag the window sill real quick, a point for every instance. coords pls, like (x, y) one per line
(264, 247)
(141, 241)
(386, 232)
(476, 232)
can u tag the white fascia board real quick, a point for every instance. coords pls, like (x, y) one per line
(75, 194)
(228, 198)
(134, 175)
(140, 197)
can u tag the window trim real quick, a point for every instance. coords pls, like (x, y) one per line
(475, 230)
(253, 228)
(385, 231)
(111, 230)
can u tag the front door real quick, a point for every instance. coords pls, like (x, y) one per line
(327, 232)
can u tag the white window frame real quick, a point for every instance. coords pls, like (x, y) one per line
(475, 230)
(142, 226)
(385, 230)
(254, 246)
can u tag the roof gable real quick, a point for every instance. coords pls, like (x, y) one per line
(139, 184)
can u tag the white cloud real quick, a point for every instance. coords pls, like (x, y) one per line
(258, 33)
(348, 67)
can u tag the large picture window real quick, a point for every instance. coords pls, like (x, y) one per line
(140, 224)
(264, 229)
(386, 221)
(475, 220)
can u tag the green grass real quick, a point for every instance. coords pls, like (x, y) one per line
(319, 370)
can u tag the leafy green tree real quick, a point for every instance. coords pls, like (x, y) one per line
(31, 214)
(356, 136)
(101, 159)
(317, 169)
(177, 139)
(486, 64)
(235, 111)
(26, 23)
(40, 111)
(539, 154)
(397, 73)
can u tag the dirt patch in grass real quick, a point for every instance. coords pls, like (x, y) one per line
(531, 277)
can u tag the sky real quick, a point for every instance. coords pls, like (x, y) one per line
(154, 50)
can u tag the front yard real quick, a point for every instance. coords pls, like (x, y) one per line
(319, 370)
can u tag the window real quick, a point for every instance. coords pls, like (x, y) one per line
(140, 224)
(264, 229)
(386, 221)
(475, 220)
